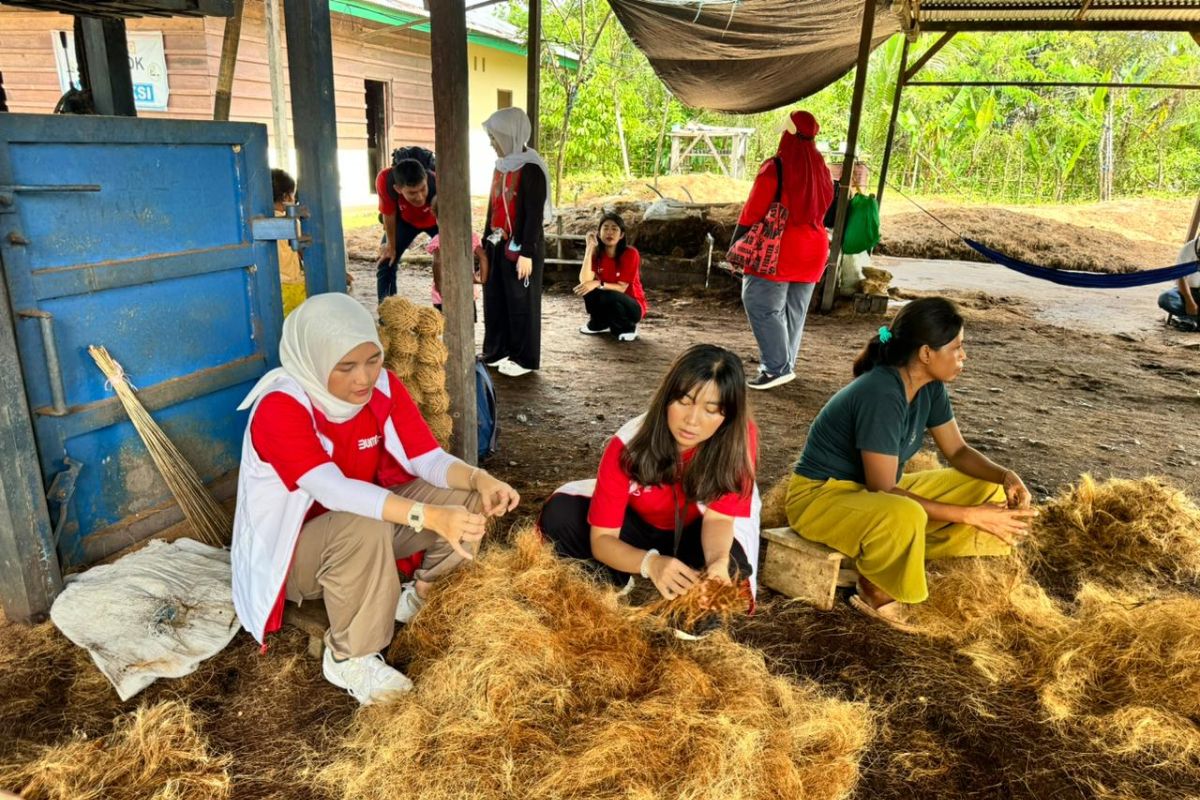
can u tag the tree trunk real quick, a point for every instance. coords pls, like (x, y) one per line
(662, 134)
(621, 131)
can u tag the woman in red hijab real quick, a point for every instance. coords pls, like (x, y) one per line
(776, 304)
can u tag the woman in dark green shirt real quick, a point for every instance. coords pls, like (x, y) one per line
(849, 490)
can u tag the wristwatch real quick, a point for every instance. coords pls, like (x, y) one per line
(416, 517)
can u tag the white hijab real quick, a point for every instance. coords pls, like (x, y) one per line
(511, 129)
(316, 336)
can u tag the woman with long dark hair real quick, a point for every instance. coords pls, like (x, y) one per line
(674, 499)
(849, 490)
(610, 281)
(518, 205)
(776, 304)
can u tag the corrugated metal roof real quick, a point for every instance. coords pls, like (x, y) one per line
(1148, 14)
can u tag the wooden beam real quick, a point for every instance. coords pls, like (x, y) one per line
(106, 55)
(860, 84)
(1071, 84)
(908, 74)
(314, 114)
(1195, 224)
(891, 134)
(533, 66)
(448, 54)
(278, 97)
(229, 51)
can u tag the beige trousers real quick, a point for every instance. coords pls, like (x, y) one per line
(350, 561)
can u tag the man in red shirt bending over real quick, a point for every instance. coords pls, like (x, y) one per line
(406, 191)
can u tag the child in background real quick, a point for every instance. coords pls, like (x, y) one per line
(480, 272)
(291, 269)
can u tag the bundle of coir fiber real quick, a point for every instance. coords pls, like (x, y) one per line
(1128, 675)
(945, 729)
(272, 712)
(1126, 534)
(875, 281)
(155, 752)
(416, 353)
(531, 681)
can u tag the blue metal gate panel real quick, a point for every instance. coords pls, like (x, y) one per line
(135, 234)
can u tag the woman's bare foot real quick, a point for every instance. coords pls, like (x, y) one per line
(872, 594)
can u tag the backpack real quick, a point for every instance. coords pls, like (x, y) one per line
(423, 156)
(485, 411)
(862, 224)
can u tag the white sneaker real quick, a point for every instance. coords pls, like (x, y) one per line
(497, 362)
(627, 588)
(512, 369)
(591, 331)
(367, 678)
(627, 337)
(410, 603)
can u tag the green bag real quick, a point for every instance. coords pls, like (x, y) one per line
(862, 225)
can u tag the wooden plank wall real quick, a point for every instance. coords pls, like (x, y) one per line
(193, 52)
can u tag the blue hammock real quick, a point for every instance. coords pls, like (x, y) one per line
(1091, 280)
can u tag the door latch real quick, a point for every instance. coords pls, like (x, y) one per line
(61, 490)
(285, 227)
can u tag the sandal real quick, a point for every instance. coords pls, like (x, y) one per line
(892, 614)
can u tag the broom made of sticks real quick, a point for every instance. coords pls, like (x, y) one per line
(211, 524)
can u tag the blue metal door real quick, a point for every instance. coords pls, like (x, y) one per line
(135, 235)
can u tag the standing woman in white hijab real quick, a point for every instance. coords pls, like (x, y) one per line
(340, 477)
(518, 205)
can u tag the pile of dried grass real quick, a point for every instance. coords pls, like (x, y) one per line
(414, 350)
(531, 681)
(1125, 534)
(725, 600)
(155, 752)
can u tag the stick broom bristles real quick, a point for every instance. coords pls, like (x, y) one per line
(211, 523)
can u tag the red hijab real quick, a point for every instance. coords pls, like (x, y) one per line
(807, 185)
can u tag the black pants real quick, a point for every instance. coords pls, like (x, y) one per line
(564, 522)
(385, 271)
(616, 311)
(512, 311)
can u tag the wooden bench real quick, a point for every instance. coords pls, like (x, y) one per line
(804, 570)
(310, 617)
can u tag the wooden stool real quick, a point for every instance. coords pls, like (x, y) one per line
(311, 619)
(804, 570)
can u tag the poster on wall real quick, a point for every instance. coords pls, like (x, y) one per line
(147, 67)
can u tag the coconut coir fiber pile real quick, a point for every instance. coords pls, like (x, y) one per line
(1054, 673)
(531, 681)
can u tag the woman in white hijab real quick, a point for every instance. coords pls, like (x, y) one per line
(340, 478)
(518, 205)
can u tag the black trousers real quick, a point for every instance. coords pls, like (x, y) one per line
(564, 522)
(616, 311)
(512, 311)
(385, 271)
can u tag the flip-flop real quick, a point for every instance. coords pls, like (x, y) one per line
(891, 614)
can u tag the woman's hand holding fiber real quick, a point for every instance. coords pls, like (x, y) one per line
(671, 576)
(1014, 489)
(498, 497)
(1006, 524)
(456, 525)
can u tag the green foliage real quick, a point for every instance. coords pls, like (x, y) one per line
(1013, 144)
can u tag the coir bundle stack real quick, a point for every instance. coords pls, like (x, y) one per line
(417, 354)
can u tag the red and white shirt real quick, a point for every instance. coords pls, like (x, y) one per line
(626, 269)
(284, 436)
(392, 202)
(613, 491)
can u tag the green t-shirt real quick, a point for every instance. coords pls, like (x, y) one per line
(871, 413)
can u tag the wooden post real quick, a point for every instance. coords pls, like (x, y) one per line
(891, 134)
(829, 292)
(533, 66)
(1191, 234)
(278, 98)
(106, 64)
(448, 50)
(310, 65)
(621, 131)
(229, 51)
